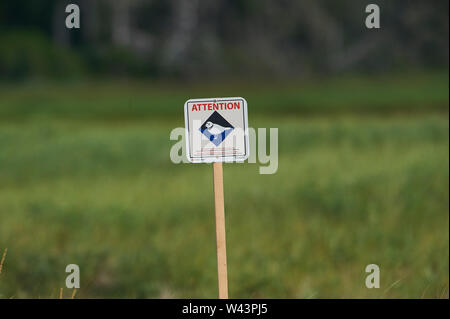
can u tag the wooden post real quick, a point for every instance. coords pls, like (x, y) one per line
(220, 231)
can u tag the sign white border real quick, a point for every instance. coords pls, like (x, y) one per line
(212, 159)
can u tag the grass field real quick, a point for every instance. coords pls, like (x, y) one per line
(363, 177)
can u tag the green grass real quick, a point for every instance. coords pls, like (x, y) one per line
(363, 179)
(415, 92)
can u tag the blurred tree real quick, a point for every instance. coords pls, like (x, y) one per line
(240, 36)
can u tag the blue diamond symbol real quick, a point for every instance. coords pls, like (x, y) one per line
(216, 128)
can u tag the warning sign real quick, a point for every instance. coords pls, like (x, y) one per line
(216, 130)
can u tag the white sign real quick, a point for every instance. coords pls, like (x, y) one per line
(216, 130)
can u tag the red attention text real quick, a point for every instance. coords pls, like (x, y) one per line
(219, 106)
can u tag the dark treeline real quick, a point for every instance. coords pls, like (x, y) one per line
(223, 37)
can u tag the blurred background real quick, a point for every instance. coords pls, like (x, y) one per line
(194, 39)
(363, 172)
